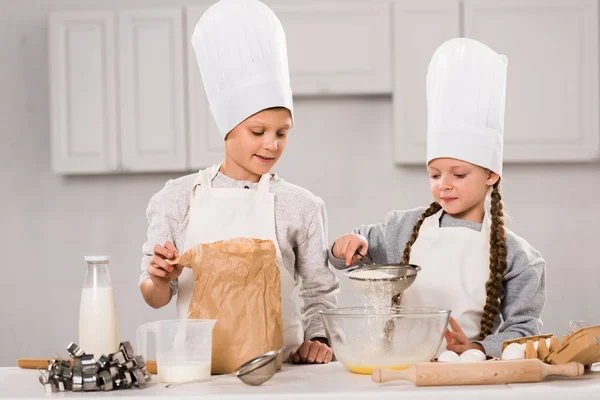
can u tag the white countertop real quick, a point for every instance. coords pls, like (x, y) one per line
(331, 381)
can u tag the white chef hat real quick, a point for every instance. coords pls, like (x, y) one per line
(241, 50)
(466, 92)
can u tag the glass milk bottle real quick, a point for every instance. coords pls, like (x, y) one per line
(98, 312)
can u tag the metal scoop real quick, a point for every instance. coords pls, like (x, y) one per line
(254, 372)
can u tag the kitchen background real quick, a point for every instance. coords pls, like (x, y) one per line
(354, 146)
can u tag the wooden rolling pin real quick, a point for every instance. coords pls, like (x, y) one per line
(477, 373)
(38, 363)
(42, 363)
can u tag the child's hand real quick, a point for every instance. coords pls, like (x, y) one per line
(457, 340)
(161, 272)
(312, 352)
(347, 245)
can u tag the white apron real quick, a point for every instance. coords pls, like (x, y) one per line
(226, 213)
(455, 267)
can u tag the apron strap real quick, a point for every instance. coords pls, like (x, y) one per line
(438, 218)
(264, 183)
(205, 177)
(205, 180)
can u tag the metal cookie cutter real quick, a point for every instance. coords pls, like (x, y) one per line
(120, 370)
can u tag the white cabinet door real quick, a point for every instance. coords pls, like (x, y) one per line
(419, 28)
(151, 90)
(552, 84)
(338, 47)
(82, 92)
(206, 143)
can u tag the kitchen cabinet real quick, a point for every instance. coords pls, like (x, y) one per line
(151, 87)
(552, 98)
(126, 93)
(83, 117)
(86, 102)
(552, 85)
(339, 48)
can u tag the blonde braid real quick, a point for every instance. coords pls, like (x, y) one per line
(433, 208)
(493, 286)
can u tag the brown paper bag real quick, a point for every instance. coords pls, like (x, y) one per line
(236, 282)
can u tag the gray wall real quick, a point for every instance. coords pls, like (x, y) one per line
(341, 150)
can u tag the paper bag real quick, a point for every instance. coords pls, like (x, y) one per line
(237, 282)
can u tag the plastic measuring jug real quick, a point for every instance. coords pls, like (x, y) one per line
(183, 348)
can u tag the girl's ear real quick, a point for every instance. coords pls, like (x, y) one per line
(492, 178)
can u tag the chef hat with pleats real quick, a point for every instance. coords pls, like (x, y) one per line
(466, 92)
(241, 50)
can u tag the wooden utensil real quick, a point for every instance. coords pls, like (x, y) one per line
(477, 373)
(36, 363)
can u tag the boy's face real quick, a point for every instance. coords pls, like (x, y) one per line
(460, 187)
(256, 144)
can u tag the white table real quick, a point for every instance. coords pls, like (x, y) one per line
(328, 382)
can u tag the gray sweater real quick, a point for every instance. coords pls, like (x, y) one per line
(524, 284)
(300, 226)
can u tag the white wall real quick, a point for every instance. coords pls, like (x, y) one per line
(341, 150)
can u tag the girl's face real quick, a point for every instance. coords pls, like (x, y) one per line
(460, 187)
(254, 146)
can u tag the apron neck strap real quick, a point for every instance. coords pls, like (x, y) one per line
(264, 183)
(205, 180)
(438, 217)
(205, 177)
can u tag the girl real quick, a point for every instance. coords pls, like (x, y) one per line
(491, 279)
(241, 51)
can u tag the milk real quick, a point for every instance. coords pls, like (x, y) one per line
(98, 321)
(184, 372)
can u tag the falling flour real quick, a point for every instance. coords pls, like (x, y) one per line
(375, 285)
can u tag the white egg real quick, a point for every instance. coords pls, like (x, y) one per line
(513, 351)
(448, 356)
(472, 355)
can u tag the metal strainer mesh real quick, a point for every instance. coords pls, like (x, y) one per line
(260, 369)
